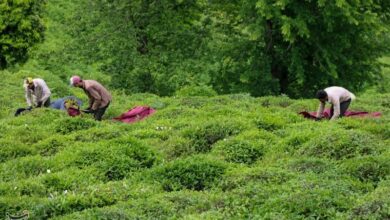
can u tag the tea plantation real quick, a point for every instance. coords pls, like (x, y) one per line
(198, 157)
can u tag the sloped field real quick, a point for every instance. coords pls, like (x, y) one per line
(218, 157)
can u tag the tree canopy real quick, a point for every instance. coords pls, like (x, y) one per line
(261, 47)
(21, 27)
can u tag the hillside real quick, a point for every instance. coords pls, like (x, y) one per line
(219, 157)
(201, 155)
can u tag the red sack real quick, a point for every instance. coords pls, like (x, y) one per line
(326, 114)
(135, 114)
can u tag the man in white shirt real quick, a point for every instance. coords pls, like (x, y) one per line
(37, 92)
(338, 97)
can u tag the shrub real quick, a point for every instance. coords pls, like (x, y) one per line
(314, 165)
(241, 151)
(195, 173)
(296, 138)
(240, 177)
(270, 122)
(196, 91)
(97, 133)
(70, 179)
(11, 149)
(306, 197)
(280, 101)
(177, 146)
(205, 135)
(50, 146)
(16, 205)
(24, 167)
(117, 159)
(368, 168)
(69, 124)
(340, 144)
(373, 206)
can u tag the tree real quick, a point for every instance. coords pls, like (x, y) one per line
(313, 44)
(21, 27)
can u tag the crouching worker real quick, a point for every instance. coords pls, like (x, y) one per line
(69, 104)
(37, 93)
(338, 97)
(99, 97)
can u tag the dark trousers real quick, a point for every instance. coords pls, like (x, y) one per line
(100, 112)
(46, 104)
(343, 108)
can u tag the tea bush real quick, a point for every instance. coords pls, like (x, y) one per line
(305, 197)
(177, 146)
(241, 150)
(11, 149)
(375, 205)
(240, 177)
(340, 144)
(198, 157)
(68, 125)
(314, 165)
(23, 168)
(195, 91)
(368, 168)
(50, 146)
(195, 173)
(204, 135)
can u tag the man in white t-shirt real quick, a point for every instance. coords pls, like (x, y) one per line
(37, 93)
(338, 97)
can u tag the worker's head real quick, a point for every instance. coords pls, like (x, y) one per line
(322, 95)
(30, 82)
(76, 81)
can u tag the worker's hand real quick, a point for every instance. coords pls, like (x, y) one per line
(39, 104)
(88, 111)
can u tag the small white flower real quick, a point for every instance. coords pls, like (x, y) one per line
(65, 192)
(48, 171)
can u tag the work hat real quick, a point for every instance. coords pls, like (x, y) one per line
(29, 80)
(74, 80)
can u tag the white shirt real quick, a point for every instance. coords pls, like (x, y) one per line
(336, 95)
(40, 93)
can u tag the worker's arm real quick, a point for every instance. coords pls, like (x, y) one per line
(45, 94)
(97, 99)
(320, 110)
(336, 109)
(28, 96)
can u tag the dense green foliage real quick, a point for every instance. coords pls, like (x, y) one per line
(197, 157)
(261, 47)
(201, 155)
(21, 27)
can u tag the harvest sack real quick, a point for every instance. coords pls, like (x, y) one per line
(326, 114)
(135, 114)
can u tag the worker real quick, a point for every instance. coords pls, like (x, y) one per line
(339, 98)
(99, 97)
(37, 93)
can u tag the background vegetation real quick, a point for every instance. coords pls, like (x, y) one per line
(213, 149)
